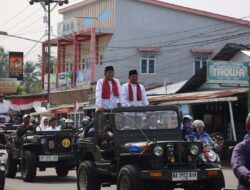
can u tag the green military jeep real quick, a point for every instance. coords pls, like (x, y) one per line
(141, 148)
(42, 150)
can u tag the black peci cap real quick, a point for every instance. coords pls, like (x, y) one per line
(132, 72)
(109, 68)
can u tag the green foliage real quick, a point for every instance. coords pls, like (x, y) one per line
(3, 63)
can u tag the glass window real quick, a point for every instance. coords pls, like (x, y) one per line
(148, 63)
(143, 66)
(199, 62)
(150, 120)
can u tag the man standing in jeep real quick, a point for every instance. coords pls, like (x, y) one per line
(133, 93)
(24, 127)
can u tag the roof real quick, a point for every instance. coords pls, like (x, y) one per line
(195, 96)
(168, 6)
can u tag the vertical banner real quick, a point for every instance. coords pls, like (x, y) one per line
(16, 65)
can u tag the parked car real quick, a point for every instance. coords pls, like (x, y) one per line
(141, 148)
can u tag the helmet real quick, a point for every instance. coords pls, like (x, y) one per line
(198, 123)
(187, 117)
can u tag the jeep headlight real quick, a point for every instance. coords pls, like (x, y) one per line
(43, 141)
(194, 149)
(158, 150)
(212, 157)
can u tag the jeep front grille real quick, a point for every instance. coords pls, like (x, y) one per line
(55, 146)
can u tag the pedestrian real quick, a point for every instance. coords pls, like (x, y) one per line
(240, 163)
(24, 127)
(108, 90)
(2, 121)
(200, 134)
(247, 136)
(133, 93)
(186, 125)
(44, 124)
(53, 125)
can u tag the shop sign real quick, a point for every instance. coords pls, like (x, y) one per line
(16, 65)
(8, 86)
(227, 72)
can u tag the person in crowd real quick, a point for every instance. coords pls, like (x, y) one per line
(2, 121)
(201, 135)
(152, 121)
(186, 125)
(34, 121)
(240, 163)
(24, 127)
(69, 124)
(247, 136)
(44, 124)
(62, 124)
(108, 91)
(53, 125)
(133, 93)
(17, 120)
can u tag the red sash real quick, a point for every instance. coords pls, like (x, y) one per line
(106, 89)
(130, 92)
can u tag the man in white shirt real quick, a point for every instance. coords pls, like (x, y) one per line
(53, 125)
(133, 93)
(108, 90)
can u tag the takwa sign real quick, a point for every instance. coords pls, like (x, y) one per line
(227, 72)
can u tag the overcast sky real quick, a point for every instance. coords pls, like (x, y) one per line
(19, 18)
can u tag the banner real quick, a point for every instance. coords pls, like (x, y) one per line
(8, 86)
(16, 65)
(62, 79)
(227, 72)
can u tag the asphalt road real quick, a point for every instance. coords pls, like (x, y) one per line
(49, 181)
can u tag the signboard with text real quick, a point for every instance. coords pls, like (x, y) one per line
(227, 72)
(8, 86)
(16, 65)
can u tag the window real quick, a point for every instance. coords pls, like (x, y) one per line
(148, 63)
(199, 62)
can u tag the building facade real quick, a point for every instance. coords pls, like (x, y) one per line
(164, 42)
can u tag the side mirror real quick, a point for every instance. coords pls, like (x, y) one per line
(85, 120)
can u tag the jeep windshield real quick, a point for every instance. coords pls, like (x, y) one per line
(146, 120)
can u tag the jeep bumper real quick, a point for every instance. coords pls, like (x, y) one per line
(181, 175)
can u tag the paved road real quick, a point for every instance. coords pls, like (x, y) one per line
(49, 181)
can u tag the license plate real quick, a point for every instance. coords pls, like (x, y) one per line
(48, 158)
(184, 176)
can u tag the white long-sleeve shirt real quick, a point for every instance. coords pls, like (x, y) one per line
(112, 101)
(135, 102)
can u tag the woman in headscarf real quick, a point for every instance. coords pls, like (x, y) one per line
(44, 124)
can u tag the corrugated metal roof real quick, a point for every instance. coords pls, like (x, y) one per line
(198, 95)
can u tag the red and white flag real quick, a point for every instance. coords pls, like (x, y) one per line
(76, 105)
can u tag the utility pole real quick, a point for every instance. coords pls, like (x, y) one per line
(48, 3)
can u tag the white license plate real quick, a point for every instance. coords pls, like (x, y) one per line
(184, 176)
(48, 158)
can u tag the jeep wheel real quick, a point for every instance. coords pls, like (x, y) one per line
(87, 178)
(129, 178)
(11, 166)
(62, 171)
(2, 180)
(28, 166)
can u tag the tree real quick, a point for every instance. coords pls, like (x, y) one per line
(31, 79)
(3, 63)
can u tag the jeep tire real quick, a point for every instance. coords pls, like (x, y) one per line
(2, 180)
(129, 178)
(87, 178)
(28, 166)
(11, 166)
(62, 170)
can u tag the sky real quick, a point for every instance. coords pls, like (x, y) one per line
(18, 17)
